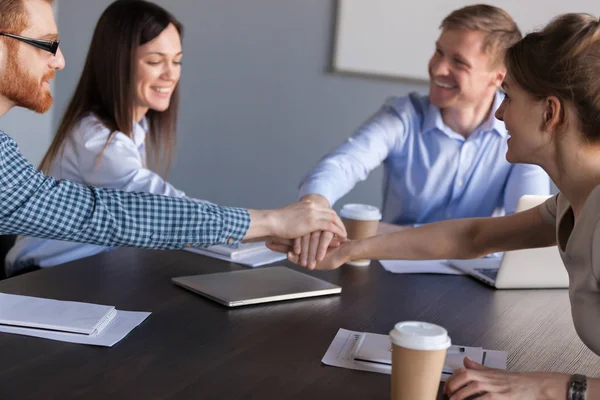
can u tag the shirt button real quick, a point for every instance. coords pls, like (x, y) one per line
(460, 183)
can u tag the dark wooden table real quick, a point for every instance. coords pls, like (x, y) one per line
(193, 348)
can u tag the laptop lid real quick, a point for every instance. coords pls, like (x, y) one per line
(522, 269)
(253, 286)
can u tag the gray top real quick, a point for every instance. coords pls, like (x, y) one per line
(579, 249)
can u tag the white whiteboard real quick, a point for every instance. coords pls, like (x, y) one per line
(396, 38)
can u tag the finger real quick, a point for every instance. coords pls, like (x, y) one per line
(298, 245)
(305, 248)
(315, 238)
(327, 223)
(324, 244)
(333, 220)
(458, 379)
(279, 240)
(473, 365)
(467, 391)
(280, 248)
(335, 243)
(293, 257)
(340, 224)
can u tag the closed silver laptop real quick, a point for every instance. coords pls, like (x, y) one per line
(253, 286)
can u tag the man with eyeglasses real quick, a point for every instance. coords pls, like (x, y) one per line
(36, 205)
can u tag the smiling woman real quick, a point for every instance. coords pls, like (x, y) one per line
(124, 106)
(135, 44)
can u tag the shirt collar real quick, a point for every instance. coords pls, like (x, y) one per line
(433, 120)
(139, 130)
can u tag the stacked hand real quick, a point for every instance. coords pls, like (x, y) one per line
(303, 218)
(311, 248)
(335, 255)
(284, 225)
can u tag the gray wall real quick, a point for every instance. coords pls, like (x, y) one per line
(259, 107)
(33, 132)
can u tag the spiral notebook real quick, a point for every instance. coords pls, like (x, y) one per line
(54, 315)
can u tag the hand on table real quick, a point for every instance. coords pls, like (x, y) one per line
(500, 384)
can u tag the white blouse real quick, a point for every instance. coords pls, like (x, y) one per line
(121, 166)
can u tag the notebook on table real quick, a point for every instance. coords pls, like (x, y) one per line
(249, 254)
(54, 315)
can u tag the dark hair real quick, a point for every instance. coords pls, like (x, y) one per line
(107, 84)
(563, 60)
(500, 29)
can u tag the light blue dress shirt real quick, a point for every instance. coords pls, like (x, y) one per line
(431, 172)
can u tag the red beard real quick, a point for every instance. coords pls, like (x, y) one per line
(23, 89)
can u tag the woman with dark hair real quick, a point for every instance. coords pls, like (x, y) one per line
(123, 109)
(552, 113)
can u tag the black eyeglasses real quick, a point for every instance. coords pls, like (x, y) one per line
(50, 46)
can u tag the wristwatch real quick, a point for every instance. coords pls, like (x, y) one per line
(577, 387)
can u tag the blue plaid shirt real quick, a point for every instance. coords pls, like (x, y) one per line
(35, 205)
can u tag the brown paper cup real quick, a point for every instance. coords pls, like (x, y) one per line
(416, 373)
(361, 221)
(358, 229)
(418, 354)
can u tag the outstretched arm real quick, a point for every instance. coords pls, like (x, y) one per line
(457, 239)
(35, 205)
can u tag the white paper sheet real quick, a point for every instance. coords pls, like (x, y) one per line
(123, 323)
(419, 267)
(494, 359)
(253, 259)
(377, 348)
(341, 354)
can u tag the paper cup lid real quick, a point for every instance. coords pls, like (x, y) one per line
(362, 212)
(420, 336)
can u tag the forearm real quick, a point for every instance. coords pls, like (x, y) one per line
(339, 171)
(67, 211)
(555, 386)
(443, 240)
(34, 205)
